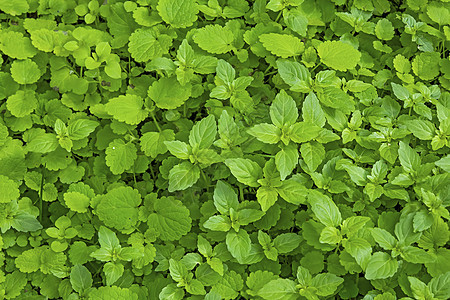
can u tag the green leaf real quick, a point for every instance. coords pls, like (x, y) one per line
(77, 202)
(302, 132)
(108, 239)
(225, 72)
(326, 283)
(409, 159)
(9, 190)
(296, 75)
(279, 289)
(80, 278)
(43, 143)
(286, 242)
(312, 112)
(381, 266)
(113, 272)
(338, 55)
(313, 154)
(81, 128)
(440, 286)
(118, 208)
(25, 71)
(178, 149)
(245, 170)
(22, 103)
(183, 176)
(400, 92)
(168, 93)
(282, 45)
(286, 160)
(266, 133)
(421, 129)
(127, 108)
(283, 111)
(120, 156)
(384, 30)
(324, 209)
(225, 198)
(383, 238)
(214, 39)
(17, 8)
(218, 223)
(419, 289)
(292, 191)
(444, 163)
(171, 219)
(203, 133)
(267, 196)
(153, 143)
(146, 44)
(239, 244)
(179, 14)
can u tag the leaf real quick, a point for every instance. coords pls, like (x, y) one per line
(146, 44)
(381, 266)
(239, 244)
(183, 176)
(326, 283)
(292, 191)
(383, 238)
(312, 112)
(266, 133)
(421, 129)
(286, 242)
(324, 209)
(43, 143)
(409, 159)
(127, 108)
(282, 45)
(178, 149)
(218, 223)
(17, 8)
(338, 55)
(225, 198)
(313, 154)
(153, 143)
(203, 133)
(296, 75)
(80, 278)
(214, 39)
(440, 286)
(384, 30)
(118, 208)
(120, 156)
(267, 196)
(245, 170)
(25, 71)
(77, 202)
(22, 103)
(179, 14)
(279, 289)
(283, 111)
(113, 272)
(168, 93)
(171, 219)
(81, 128)
(286, 160)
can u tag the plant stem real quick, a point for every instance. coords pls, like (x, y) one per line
(155, 121)
(40, 195)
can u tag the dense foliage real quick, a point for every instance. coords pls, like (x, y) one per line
(224, 149)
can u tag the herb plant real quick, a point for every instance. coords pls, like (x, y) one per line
(224, 149)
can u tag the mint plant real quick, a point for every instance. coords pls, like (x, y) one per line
(224, 149)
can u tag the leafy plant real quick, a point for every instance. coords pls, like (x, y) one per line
(224, 149)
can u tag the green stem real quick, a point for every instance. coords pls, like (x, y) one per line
(40, 195)
(279, 16)
(155, 121)
(316, 66)
(241, 193)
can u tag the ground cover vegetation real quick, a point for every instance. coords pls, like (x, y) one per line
(224, 149)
